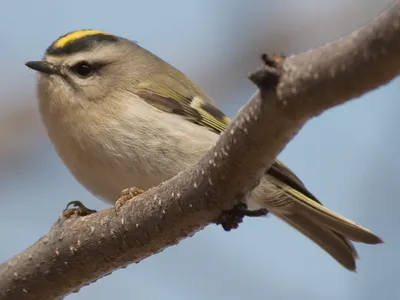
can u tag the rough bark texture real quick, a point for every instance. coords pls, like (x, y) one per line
(80, 250)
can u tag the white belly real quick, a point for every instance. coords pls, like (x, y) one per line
(109, 154)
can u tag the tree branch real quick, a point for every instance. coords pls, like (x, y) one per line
(80, 250)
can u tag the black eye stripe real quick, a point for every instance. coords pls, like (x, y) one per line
(85, 69)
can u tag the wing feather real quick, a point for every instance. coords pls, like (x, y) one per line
(174, 92)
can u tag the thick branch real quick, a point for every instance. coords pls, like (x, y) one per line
(346, 68)
(80, 250)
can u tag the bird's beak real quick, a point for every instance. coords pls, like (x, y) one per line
(42, 67)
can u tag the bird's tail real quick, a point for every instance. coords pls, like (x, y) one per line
(331, 231)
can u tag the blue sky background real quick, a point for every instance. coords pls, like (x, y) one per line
(348, 156)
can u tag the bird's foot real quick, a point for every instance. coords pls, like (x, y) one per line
(126, 195)
(79, 209)
(230, 219)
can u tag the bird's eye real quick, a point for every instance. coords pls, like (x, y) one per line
(83, 69)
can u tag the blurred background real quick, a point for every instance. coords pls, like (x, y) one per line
(348, 156)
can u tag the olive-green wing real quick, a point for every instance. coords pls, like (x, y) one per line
(284, 174)
(173, 92)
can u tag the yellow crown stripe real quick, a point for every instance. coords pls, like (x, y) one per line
(76, 35)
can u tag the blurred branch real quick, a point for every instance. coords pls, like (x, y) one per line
(79, 250)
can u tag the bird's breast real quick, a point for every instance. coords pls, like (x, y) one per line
(109, 153)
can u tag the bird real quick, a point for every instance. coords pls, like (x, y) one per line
(120, 116)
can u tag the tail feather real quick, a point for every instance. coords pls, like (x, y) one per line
(331, 231)
(323, 215)
(341, 249)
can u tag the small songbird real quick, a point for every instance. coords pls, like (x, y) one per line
(119, 116)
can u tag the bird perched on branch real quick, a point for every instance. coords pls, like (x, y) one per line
(119, 116)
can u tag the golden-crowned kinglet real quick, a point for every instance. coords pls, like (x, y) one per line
(120, 116)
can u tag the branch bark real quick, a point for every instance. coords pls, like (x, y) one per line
(80, 250)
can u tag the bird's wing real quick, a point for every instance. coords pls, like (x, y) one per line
(173, 92)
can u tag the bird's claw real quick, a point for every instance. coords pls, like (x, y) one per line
(230, 219)
(78, 209)
(126, 195)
